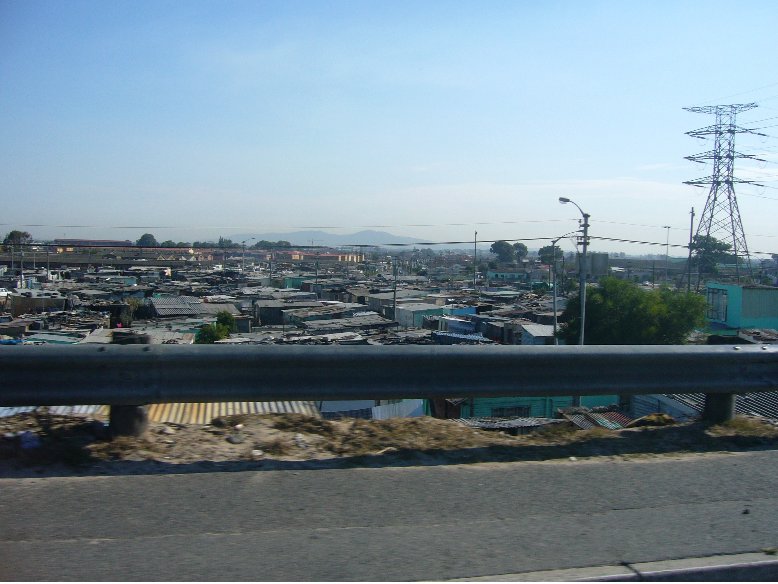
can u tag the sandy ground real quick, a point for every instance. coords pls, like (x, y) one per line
(37, 444)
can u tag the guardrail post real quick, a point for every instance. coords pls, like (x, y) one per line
(128, 420)
(719, 407)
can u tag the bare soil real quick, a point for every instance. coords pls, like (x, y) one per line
(39, 443)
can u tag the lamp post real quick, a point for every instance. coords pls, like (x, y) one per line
(582, 267)
(243, 255)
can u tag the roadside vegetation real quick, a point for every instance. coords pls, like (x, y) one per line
(40, 440)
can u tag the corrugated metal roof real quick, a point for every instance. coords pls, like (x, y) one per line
(498, 423)
(539, 330)
(57, 410)
(180, 413)
(203, 413)
(176, 305)
(603, 421)
(581, 421)
(763, 403)
(362, 413)
(212, 309)
(618, 417)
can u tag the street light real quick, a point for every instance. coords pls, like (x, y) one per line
(582, 268)
(243, 256)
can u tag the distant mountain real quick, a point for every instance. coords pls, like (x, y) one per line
(301, 238)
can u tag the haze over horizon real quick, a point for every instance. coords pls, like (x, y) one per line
(194, 120)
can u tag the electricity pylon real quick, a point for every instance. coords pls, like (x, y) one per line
(720, 219)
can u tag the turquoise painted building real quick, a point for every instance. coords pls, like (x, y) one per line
(734, 307)
(524, 407)
(512, 276)
(294, 282)
(458, 310)
(528, 407)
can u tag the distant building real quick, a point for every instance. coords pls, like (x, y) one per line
(412, 315)
(537, 334)
(70, 245)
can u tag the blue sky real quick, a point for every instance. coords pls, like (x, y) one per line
(199, 119)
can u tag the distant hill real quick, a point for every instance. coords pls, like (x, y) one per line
(301, 238)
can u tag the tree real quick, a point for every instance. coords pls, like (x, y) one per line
(621, 313)
(147, 240)
(547, 254)
(707, 251)
(226, 319)
(168, 243)
(504, 251)
(16, 237)
(210, 333)
(520, 250)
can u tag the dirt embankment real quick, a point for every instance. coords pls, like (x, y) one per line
(37, 441)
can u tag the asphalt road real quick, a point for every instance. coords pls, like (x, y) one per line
(417, 523)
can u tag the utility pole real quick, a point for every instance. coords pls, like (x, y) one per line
(271, 265)
(553, 288)
(584, 244)
(475, 262)
(720, 218)
(667, 254)
(394, 290)
(689, 261)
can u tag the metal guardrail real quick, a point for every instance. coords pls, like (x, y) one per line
(142, 374)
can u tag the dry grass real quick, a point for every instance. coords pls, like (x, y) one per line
(230, 421)
(278, 446)
(295, 438)
(745, 427)
(124, 447)
(362, 437)
(302, 423)
(653, 420)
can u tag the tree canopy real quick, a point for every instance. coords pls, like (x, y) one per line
(707, 251)
(621, 313)
(17, 237)
(504, 251)
(147, 240)
(547, 253)
(265, 244)
(210, 333)
(226, 319)
(520, 250)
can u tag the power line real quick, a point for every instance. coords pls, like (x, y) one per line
(762, 120)
(378, 245)
(742, 92)
(249, 228)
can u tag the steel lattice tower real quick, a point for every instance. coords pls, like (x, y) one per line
(721, 218)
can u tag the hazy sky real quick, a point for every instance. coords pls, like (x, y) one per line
(430, 119)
